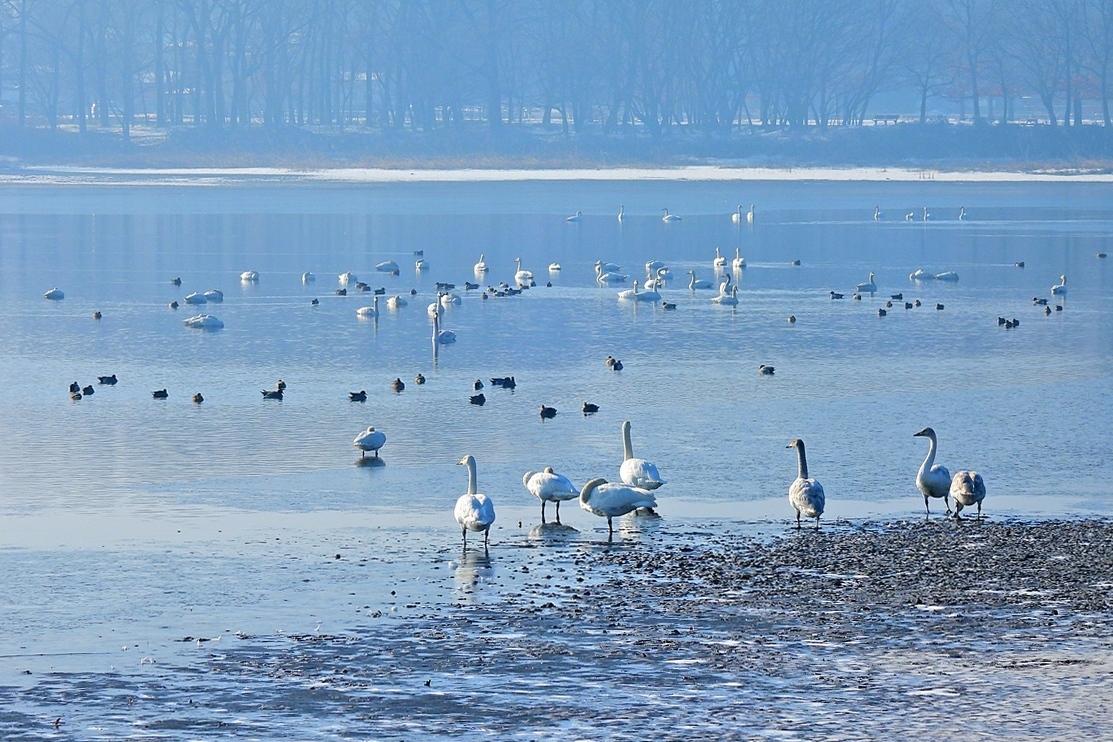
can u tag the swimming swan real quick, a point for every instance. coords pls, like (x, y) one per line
(750, 215)
(480, 267)
(522, 277)
(574, 218)
(441, 337)
(474, 511)
(621, 212)
(805, 494)
(1061, 288)
(604, 277)
(867, 287)
(670, 217)
(719, 262)
(249, 276)
(609, 500)
(636, 472)
(933, 480)
(196, 298)
(728, 300)
(370, 440)
(387, 266)
(371, 311)
(55, 294)
(736, 217)
(204, 322)
(697, 283)
(633, 295)
(346, 278)
(967, 488)
(396, 302)
(739, 262)
(548, 486)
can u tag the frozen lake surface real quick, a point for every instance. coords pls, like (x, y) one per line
(179, 571)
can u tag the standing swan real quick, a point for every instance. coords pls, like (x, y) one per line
(370, 440)
(967, 488)
(933, 480)
(523, 278)
(474, 511)
(548, 486)
(806, 495)
(1061, 288)
(608, 500)
(636, 472)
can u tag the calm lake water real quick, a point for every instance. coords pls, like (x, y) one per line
(128, 523)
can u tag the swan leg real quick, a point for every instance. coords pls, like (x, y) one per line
(947, 504)
(926, 506)
(464, 531)
(979, 510)
(798, 520)
(817, 522)
(543, 511)
(558, 511)
(486, 538)
(610, 526)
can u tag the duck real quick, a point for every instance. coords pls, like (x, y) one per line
(74, 387)
(881, 312)
(805, 494)
(480, 267)
(197, 398)
(522, 277)
(548, 412)
(695, 283)
(55, 294)
(249, 276)
(939, 307)
(739, 262)
(933, 480)
(670, 217)
(575, 217)
(342, 292)
(474, 511)
(589, 408)
(634, 471)
(548, 486)
(967, 490)
(867, 287)
(371, 311)
(88, 390)
(897, 297)
(837, 296)
(173, 305)
(370, 440)
(608, 500)
(477, 384)
(280, 385)
(347, 278)
(398, 385)
(1018, 264)
(419, 379)
(764, 370)
(668, 305)
(177, 280)
(97, 314)
(478, 399)
(160, 394)
(396, 302)
(1060, 289)
(381, 291)
(109, 380)
(719, 262)
(506, 382)
(272, 393)
(360, 396)
(633, 295)
(308, 277)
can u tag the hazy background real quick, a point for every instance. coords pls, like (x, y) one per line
(537, 81)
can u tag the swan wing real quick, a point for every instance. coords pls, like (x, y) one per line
(806, 495)
(609, 500)
(640, 473)
(474, 512)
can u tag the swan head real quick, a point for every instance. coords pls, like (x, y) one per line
(549, 470)
(468, 460)
(1063, 279)
(925, 433)
(796, 443)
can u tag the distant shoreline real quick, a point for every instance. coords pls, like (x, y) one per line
(61, 175)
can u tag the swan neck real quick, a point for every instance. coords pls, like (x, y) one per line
(803, 474)
(471, 478)
(627, 449)
(930, 458)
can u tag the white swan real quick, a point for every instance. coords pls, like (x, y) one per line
(396, 302)
(1061, 288)
(387, 266)
(920, 275)
(522, 277)
(196, 298)
(621, 212)
(249, 276)
(370, 440)
(961, 213)
(867, 287)
(670, 217)
(933, 480)
(729, 300)
(697, 283)
(602, 277)
(214, 295)
(653, 265)
(967, 489)
(434, 310)
(750, 215)
(633, 295)
(480, 267)
(474, 511)
(421, 265)
(946, 276)
(574, 218)
(736, 217)
(805, 494)
(308, 277)
(449, 298)
(55, 294)
(548, 486)
(739, 262)
(927, 216)
(877, 213)
(554, 267)
(636, 472)
(441, 337)
(607, 267)
(204, 322)
(719, 262)
(659, 281)
(609, 500)
(371, 311)
(347, 278)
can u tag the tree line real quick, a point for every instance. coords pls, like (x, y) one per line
(711, 65)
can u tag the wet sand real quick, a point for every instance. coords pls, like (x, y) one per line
(860, 630)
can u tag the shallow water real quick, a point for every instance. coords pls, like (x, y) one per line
(133, 522)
